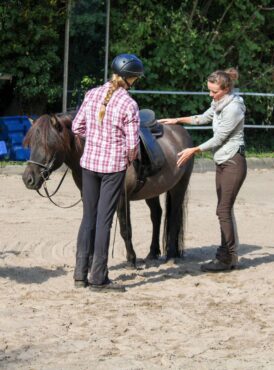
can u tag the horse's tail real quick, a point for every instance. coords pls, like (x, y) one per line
(178, 222)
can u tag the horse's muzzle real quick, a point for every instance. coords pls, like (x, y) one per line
(32, 179)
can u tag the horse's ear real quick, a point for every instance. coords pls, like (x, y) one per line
(55, 123)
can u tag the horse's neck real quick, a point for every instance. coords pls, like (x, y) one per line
(72, 160)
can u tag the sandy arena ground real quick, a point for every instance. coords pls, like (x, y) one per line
(172, 316)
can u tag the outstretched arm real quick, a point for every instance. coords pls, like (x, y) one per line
(186, 154)
(201, 119)
(175, 121)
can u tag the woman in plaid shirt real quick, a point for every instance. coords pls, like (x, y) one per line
(109, 121)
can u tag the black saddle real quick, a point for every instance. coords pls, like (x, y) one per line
(148, 120)
(151, 157)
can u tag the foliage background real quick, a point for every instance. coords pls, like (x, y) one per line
(180, 42)
(31, 48)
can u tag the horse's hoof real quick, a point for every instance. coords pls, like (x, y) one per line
(151, 263)
(130, 265)
(152, 257)
(171, 260)
(140, 261)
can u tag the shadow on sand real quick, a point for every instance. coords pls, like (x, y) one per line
(152, 271)
(188, 265)
(30, 275)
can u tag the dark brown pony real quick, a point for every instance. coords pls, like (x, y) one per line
(52, 143)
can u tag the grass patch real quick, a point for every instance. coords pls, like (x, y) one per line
(252, 154)
(11, 163)
(248, 154)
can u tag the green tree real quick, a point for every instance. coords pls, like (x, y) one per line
(87, 43)
(182, 42)
(30, 50)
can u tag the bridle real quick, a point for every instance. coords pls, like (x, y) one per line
(45, 174)
(46, 168)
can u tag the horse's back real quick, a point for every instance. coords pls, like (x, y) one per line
(174, 139)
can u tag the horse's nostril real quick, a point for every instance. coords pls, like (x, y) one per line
(30, 180)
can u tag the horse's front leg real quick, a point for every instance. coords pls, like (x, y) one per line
(123, 212)
(155, 215)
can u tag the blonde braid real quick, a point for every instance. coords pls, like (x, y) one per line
(115, 83)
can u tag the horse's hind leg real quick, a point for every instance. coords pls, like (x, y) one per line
(174, 223)
(155, 215)
(123, 212)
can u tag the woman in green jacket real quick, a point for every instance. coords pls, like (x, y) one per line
(227, 114)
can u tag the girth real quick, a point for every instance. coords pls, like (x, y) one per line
(151, 157)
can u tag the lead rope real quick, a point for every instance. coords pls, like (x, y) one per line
(58, 187)
(112, 253)
(58, 205)
(49, 196)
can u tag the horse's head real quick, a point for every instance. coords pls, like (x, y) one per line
(50, 140)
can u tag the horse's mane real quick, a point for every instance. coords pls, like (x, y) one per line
(53, 132)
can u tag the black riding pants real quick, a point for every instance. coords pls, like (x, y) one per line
(230, 176)
(101, 192)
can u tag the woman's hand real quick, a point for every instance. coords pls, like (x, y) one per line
(168, 121)
(186, 154)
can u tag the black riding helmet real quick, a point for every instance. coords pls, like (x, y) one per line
(127, 65)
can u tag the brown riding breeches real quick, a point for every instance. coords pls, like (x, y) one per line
(230, 176)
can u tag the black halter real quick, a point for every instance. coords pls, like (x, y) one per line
(45, 174)
(46, 168)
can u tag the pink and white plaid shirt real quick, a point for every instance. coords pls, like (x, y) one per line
(113, 144)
